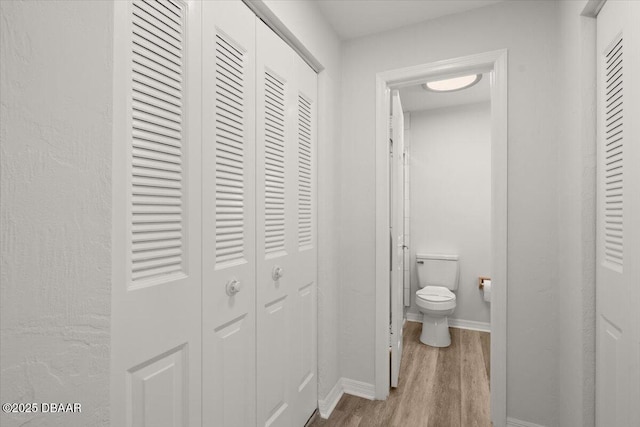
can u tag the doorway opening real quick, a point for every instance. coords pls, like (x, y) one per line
(494, 66)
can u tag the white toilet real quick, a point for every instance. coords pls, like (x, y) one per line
(437, 279)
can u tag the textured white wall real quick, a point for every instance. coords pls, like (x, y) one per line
(451, 198)
(529, 30)
(576, 217)
(56, 74)
(305, 21)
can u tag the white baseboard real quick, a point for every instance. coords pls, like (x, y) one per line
(414, 317)
(348, 386)
(455, 323)
(358, 388)
(472, 325)
(512, 422)
(328, 404)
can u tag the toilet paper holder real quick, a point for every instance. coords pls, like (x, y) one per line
(481, 280)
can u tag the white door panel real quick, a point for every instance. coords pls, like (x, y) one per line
(275, 234)
(228, 161)
(286, 233)
(156, 318)
(304, 256)
(397, 236)
(618, 248)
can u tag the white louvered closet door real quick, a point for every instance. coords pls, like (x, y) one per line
(156, 319)
(618, 244)
(228, 303)
(286, 242)
(304, 381)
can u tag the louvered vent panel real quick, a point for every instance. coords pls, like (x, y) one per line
(613, 158)
(229, 151)
(305, 199)
(157, 139)
(274, 147)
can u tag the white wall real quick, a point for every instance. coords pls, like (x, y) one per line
(529, 30)
(451, 198)
(56, 74)
(305, 21)
(576, 217)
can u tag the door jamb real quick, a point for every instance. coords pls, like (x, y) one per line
(496, 62)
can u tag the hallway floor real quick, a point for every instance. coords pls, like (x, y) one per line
(438, 387)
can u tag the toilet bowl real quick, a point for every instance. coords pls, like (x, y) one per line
(436, 303)
(437, 279)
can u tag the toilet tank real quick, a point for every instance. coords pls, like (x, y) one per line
(438, 270)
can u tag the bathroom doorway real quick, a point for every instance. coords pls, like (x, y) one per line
(490, 67)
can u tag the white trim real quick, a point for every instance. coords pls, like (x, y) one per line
(496, 63)
(512, 422)
(264, 12)
(328, 404)
(414, 317)
(381, 325)
(344, 386)
(499, 218)
(471, 325)
(358, 388)
(592, 8)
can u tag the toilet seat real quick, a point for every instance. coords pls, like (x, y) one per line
(436, 294)
(435, 298)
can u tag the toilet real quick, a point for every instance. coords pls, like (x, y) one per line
(437, 279)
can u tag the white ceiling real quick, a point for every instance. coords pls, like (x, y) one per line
(356, 18)
(415, 98)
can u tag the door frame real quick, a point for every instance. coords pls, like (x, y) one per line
(496, 63)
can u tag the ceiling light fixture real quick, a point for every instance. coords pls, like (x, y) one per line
(452, 85)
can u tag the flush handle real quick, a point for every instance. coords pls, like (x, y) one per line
(277, 273)
(233, 287)
(420, 262)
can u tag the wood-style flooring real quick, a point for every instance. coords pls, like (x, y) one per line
(438, 387)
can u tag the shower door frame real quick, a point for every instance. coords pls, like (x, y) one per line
(494, 62)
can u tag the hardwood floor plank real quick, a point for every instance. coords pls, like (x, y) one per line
(416, 382)
(474, 396)
(378, 413)
(485, 339)
(445, 409)
(341, 419)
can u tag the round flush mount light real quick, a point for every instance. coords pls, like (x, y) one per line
(454, 84)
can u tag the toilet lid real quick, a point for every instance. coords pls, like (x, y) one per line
(436, 294)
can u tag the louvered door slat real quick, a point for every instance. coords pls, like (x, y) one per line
(614, 154)
(158, 123)
(274, 163)
(152, 62)
(230, 136)
(150, 16)
(305, 226)
(152, 108)
(151, 26)
(157, 97)
(157, 138)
